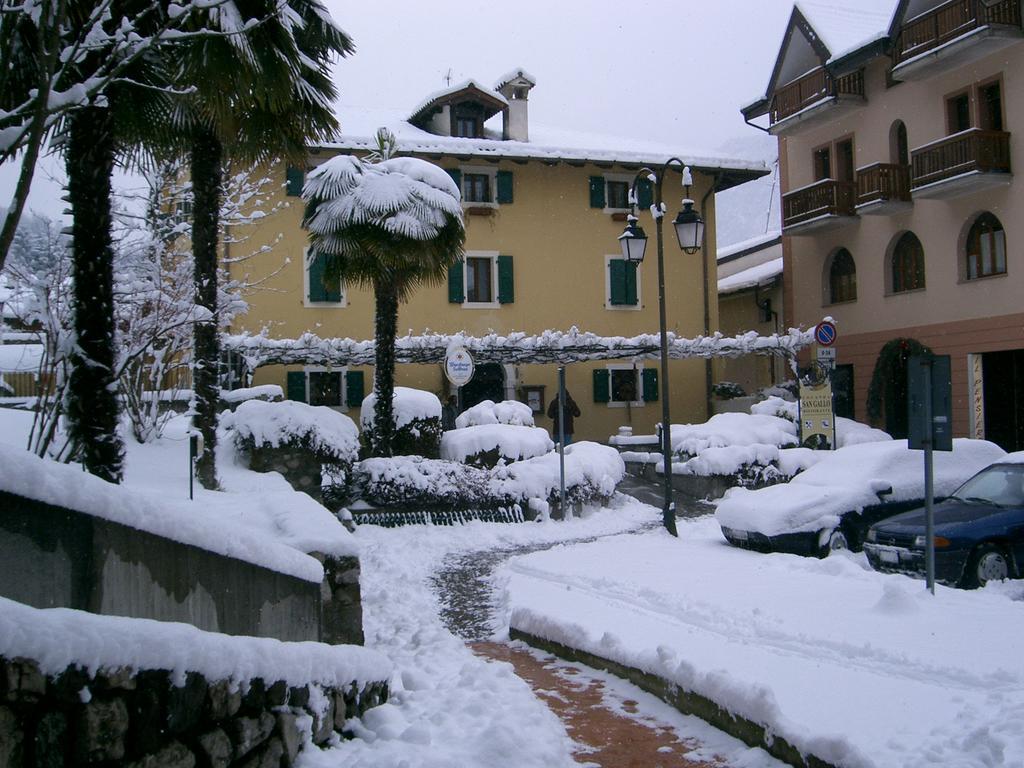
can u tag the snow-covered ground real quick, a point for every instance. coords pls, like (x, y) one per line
(863, 669)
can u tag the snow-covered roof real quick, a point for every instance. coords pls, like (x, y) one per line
(514, 74)
(444, 94)
(20, 358)
(768, 238)
(359, 128)
(847, 25)
(760, 274)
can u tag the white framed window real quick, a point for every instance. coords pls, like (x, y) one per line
(625, 385)
(479, 186)
(480, 280)
(621, 284)
(616, 192)
(316, 291)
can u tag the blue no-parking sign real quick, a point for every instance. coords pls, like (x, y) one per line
(825, 333)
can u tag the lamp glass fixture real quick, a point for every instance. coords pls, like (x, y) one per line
(689, 228)
(633, 241)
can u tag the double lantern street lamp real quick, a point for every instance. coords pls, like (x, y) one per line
(690, 232)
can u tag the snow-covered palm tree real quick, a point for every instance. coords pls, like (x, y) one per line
(390, 223)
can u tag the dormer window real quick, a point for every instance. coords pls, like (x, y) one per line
(467, 127)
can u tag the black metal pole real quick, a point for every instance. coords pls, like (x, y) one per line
(668, 510)
(561, 437)
(929, 470)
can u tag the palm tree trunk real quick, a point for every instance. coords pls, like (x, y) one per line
(386, 305)
(92, 396)
(206, 170)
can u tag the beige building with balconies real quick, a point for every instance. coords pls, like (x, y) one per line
(898, 123)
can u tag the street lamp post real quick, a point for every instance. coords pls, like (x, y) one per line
(690, 233)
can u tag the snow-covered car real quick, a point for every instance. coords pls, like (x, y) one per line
(979, 531)
(832, 504)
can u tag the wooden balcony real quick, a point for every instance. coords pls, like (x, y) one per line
(883, 188)
(960, 164)
(823, 205)
(812, 96)
(954, 33)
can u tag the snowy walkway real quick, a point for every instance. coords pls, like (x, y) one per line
(452, 707)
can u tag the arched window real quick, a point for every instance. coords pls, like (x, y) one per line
(986, 247)
(899, 152)
(907, 264)
(842, 278)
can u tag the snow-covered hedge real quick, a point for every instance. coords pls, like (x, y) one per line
(266, 392)
(732, 429)
(487, 445)
(489, 412)
(332, 436)
(417, 422)
(592, 472)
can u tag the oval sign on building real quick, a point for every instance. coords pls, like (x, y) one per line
(458, 366)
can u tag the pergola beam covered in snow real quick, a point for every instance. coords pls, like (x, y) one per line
(562, 347)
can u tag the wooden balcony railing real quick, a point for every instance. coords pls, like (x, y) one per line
(949, 21)
(882, 182)
(823, 198)
(812, 87)
(973, 150)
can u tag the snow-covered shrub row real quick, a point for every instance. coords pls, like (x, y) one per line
(417, 422)
(487, 445)
(266, 392)
(592, 471)
(489, 412)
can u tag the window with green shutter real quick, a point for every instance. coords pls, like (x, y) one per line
(597, 191)
(294, 178)
(504, 180)
(622, 283)
(644, 194)
(506, 281)
(602, 385)
(355, 388)
(456, 291)
(456, 175)
(296, 386)
(650, 384)
(322, 290)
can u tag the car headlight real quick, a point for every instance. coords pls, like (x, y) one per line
(872, 534)
(920, 541)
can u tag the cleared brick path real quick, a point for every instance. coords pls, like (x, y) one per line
(606, 738)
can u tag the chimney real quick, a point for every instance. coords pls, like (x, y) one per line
(515, 87)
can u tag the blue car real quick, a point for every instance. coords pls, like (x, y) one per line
(979, 531)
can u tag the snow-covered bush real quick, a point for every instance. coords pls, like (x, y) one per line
(592, 472)
(417, 422)
(303, 442)
(727, 390)
(268, 393)
(488, 412)
(731, 429)
(487, 445)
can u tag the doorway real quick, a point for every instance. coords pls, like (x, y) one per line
(1003, 387)
(488, 383)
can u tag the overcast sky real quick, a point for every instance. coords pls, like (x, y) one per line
(673, 72)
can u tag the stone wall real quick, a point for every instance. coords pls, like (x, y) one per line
(144, 719)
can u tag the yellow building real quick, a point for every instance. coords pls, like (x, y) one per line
(543, 211)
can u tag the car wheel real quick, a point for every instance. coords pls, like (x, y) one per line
(986, 563)
(836, 540)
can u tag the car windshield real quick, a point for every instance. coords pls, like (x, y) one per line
(1002, 484)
